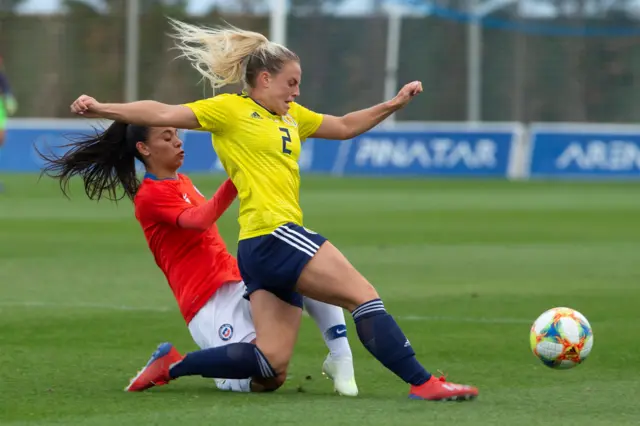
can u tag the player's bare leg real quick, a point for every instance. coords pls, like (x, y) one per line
(277, 324)
(330, 277)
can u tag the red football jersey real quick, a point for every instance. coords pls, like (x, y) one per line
(196, 263)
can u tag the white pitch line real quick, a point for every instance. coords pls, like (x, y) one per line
(105, 306)
(83, 305)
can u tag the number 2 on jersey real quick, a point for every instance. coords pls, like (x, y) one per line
(286, 138)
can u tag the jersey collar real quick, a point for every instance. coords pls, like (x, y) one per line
(244, 94)
(151, 176)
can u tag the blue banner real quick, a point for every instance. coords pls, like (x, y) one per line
(430, 152)
(595, 154)
(19, 153)
(427, 150)
(199, 154)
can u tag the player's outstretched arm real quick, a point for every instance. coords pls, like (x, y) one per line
(142, 113)
(203, 217)
(355, 123)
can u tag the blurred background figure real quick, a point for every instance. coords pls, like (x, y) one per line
(8, 106)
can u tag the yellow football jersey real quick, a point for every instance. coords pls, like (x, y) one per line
(259, 150)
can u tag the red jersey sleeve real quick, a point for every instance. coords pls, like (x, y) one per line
(161, 203)
(225, 195)
(207, 214)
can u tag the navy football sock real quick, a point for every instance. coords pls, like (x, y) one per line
(233, 361)
(380, 334)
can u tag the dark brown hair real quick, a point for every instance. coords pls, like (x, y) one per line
(105, 162)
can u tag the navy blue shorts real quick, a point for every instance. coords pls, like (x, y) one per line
(275, 261)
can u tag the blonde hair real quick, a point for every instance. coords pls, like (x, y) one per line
(229, 55)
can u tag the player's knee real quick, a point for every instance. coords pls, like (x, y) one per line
(280, 379)
(268, 385)
(276, 382)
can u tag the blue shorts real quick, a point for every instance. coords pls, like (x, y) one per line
(274, 262)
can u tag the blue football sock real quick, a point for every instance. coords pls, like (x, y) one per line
(381, 335)
(233, 361)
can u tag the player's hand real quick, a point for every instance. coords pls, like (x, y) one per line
(407, 93)
(86, 106)
(10, 104)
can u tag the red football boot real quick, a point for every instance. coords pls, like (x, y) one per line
(156, 372)
(438, 389)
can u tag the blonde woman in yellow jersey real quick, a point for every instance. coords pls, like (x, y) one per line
(257, 136)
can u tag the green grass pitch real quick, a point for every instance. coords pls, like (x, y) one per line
(465, 266)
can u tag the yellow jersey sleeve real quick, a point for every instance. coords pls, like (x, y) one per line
(308, 121)
(212, 113)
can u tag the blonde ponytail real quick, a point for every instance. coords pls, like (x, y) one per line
(222, 55)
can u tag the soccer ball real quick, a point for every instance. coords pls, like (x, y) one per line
(561, 338)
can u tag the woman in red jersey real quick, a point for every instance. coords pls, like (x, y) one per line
(179, 225)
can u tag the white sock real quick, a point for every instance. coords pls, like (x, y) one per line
(330, 320)
(234, 385)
